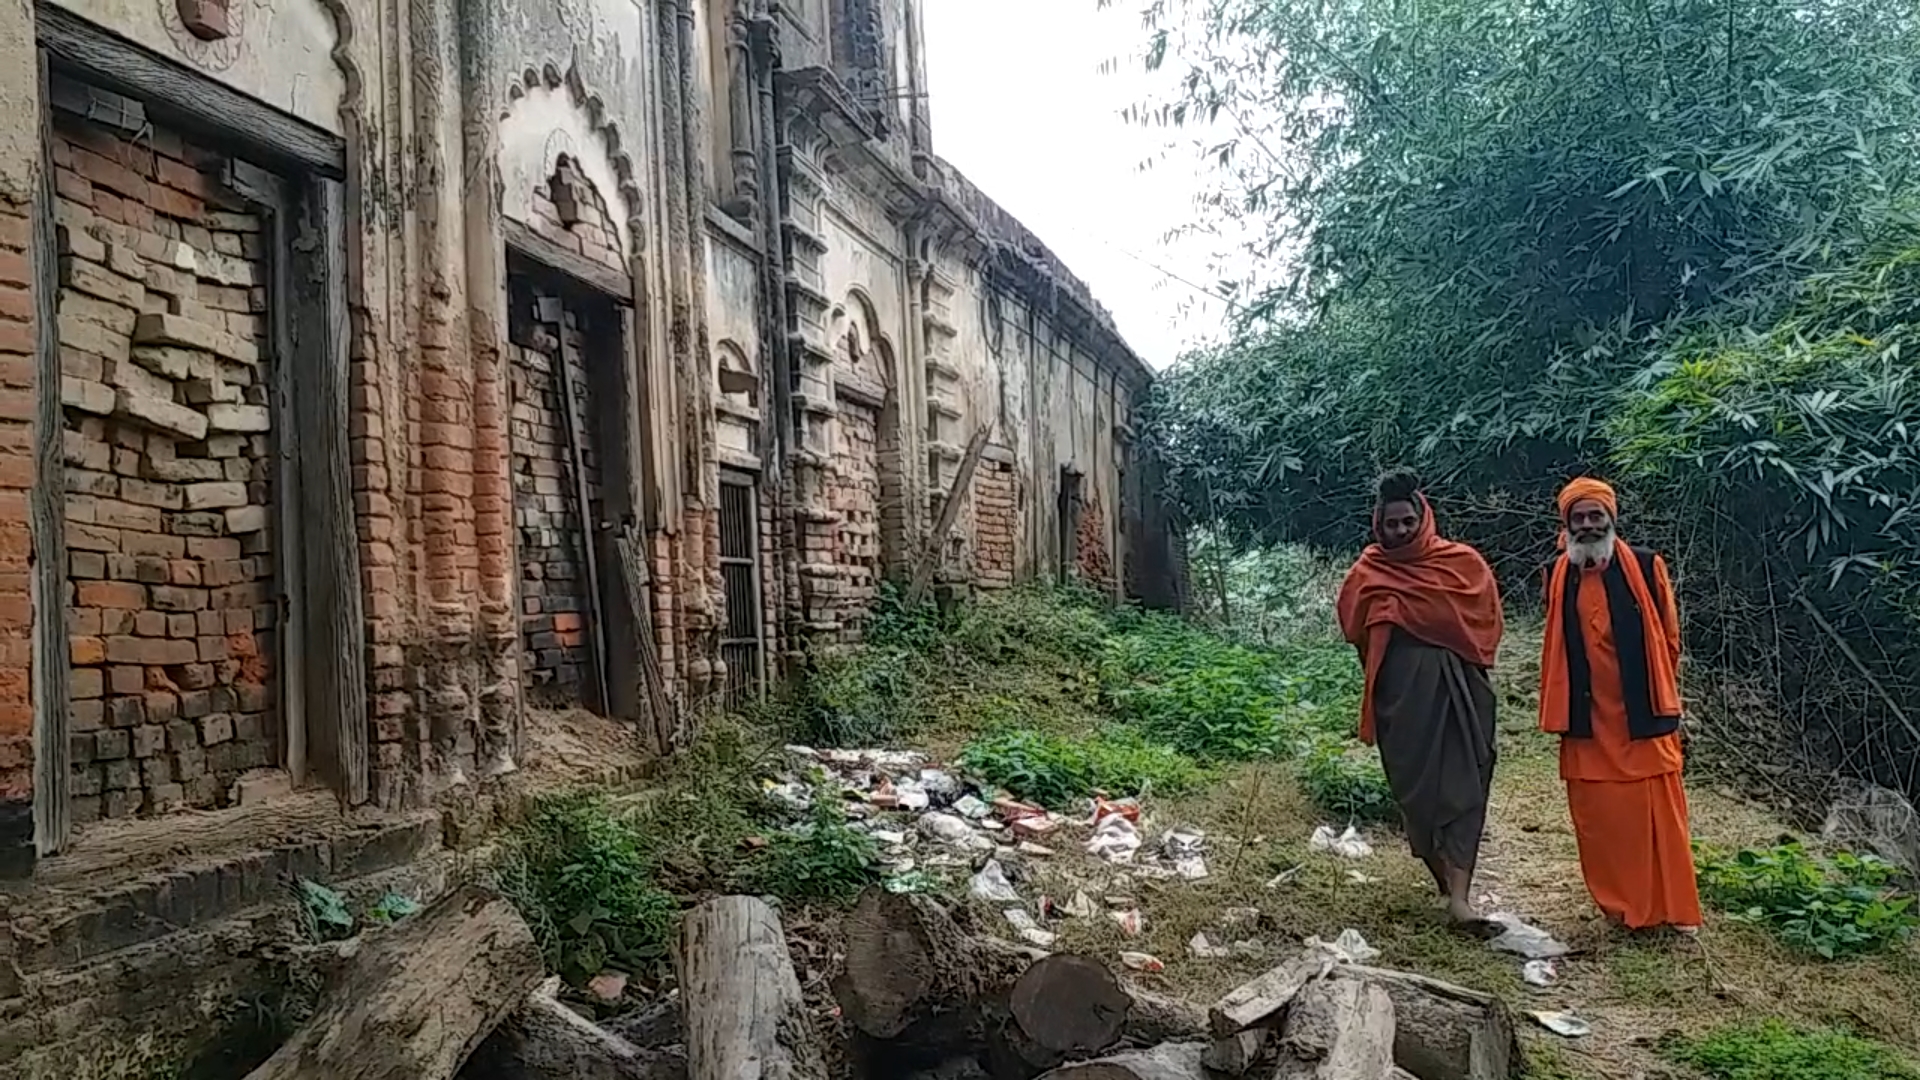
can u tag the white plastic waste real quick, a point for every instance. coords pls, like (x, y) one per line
(1079, 905)
(1114, 839)
(1027, 928)
(951, 830)
(970, 806)
(991, 884)
(1539, 973)
(1204, 948)
(1522, 939)
(1563, 1023)
(1349, 844)
(1186, 849)
(1285, 876)
(1349, 948)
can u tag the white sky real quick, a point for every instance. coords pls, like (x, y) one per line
(1020, 105)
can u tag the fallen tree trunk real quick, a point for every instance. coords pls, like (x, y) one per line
(545, 1040)
(1168, 1061)
(1443, 1031)
(906, 960)
(1152, 1019)
(417, 999)
(1337, 1029)
(740, 998)
(1070, 1004)
(1259, 1000)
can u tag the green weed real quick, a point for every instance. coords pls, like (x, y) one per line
(857, 697)
(579, 873)
(1344, 779)
(1055, 771)
(1770, 1050)
(823, 861)
(1831, 907)
(1208, 698)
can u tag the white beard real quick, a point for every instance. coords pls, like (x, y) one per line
(1595, 552)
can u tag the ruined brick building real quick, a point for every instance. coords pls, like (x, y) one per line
(373, 372)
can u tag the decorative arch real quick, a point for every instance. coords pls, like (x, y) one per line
(860, 348)
(548, 114)
(735, 373)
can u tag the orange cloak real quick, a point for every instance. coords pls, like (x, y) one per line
(1439, 591)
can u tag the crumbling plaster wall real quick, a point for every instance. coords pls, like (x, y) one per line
(280, 52)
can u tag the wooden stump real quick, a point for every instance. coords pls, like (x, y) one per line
(1337, 1029)
(418, 998)
(740, 998)
(1443, 1031)
(545, 1040)
(1168, 1061)
(1152, 1019)
(1070, 1004)
(907, 960)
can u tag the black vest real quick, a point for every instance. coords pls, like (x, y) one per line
(1629, 641)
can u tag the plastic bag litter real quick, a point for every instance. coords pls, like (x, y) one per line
(1079, 905)
(1359, 878)
(1129, 921)
(1563, 1024)
(951, 830)
(970, 806)
(1867, 816)
(1349, 844)
(1024, 925)
(1126, 808)
(1349, 948)
(1539, 973)
(1115, 839)
(991, 884)
(1524, 940)
(1247, 917)
(793, 793)
(1186, 850)
(942, 786)
(1285, 876)
(1204, 948)
(1144, 962)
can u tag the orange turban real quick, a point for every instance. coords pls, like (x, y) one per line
(1588, 488)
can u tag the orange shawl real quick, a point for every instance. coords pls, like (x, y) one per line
(1439, 591)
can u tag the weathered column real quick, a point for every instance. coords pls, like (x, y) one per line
(499, 691)
(32, 670)
(743, 202)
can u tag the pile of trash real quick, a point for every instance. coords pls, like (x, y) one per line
(934, 825)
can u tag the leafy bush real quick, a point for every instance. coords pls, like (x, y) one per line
(1842, 906)
(579, 874)
(823, 861)
(1055, 771)
(1208, 698)
(1343, 778)
(1770, 1050)
(1064, 621)
(856, 697)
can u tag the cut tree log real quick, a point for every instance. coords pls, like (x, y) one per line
(1070, 1004)
(545, 1040)
(744, 1018)
(1152, 1019)
(1168, 1061)
(1255, 1002)
(1236, 1054)
(1337, 1029)
(1443, 1031)
(906, 959)
(418, 998)
(652, 1027)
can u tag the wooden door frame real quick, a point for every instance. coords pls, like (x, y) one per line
(321, 636)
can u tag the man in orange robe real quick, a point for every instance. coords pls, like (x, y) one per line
(1424, 614)
(1610, 688)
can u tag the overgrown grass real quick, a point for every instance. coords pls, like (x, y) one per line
(1057, 771)
(1772, 1050)
(822, 861)
(1344, 779)
(1842, 905)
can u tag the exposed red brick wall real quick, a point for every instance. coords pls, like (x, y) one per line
(995, 524)
(169, 476)
(553, 569)
(1093, 559)
(593, 233)
(854, 498)
(17, 404)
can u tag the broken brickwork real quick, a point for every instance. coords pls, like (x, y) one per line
(18, 398)
(169, 469)
(553, 568)
(1093, 560)
(996, 524)
(856, 504)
